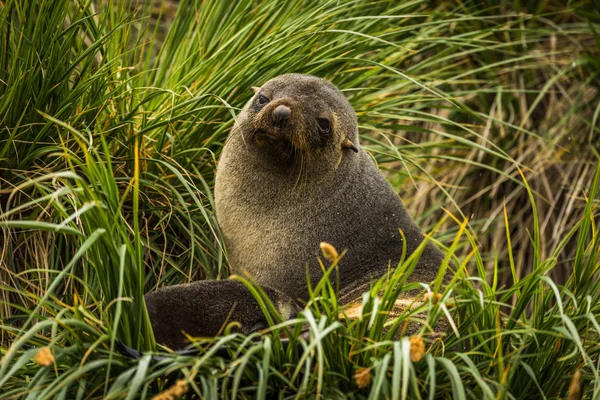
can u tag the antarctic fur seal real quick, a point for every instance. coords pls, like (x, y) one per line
(292, 174)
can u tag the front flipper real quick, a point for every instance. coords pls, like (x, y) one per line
(204, 308)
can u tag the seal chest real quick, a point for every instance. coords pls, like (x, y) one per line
(292, 175)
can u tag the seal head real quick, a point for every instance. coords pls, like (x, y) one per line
(296, 125)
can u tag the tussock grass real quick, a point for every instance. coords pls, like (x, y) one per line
(483, 116)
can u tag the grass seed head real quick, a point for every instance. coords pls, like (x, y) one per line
(435, 297)
(329, 252)
(417, 348)
(362, 377)
(44, 357)
(575, 390)
(177, 390)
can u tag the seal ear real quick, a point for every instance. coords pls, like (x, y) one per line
(347, 144)
(255, 89)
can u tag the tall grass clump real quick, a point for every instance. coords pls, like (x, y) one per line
(482, 115)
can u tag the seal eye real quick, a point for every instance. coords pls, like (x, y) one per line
(262, 99)
(324, 125)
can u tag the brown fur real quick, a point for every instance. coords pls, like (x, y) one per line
(204, 308)
(281, 191)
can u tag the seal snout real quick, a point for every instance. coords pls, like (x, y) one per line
(281, 115)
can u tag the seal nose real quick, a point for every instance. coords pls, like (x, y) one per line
(281, 114)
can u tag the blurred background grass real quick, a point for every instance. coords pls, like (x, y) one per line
(113, 115)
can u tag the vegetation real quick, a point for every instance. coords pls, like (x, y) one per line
(484, 116)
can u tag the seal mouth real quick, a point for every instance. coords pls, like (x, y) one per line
(264, 133)
(273, 141)
(273, 137)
